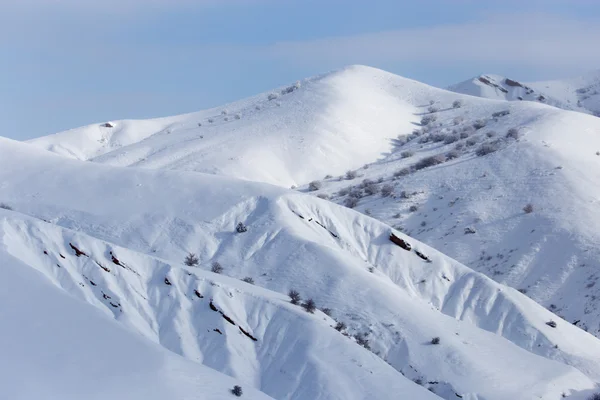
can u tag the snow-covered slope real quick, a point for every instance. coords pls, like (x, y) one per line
(579, 94)
(336, 122)
(55, 347)
(115, 238)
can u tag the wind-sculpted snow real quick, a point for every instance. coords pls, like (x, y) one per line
(128, 230)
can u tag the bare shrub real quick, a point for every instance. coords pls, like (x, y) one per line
(459, 146)
(464, 135)
(237, 391)
(407, 154)
(314, 185)
(480, 123)
(428, 119)
(387, 190)
(191, 260)
(351, 175)
(323, 196)
(430, 161)
(216, 267)
(528, 209)
(451, 139)
(249, 280)
(402, 172)
(472, 141)
(340, 326)
(452, 154)
(362, 340)
(413, 208)
(309, 306)
(435, 340)
(343, 191)
(273, 96)
(294, 296)
(490, 134)
(487, 148)
(6, 206)
(458, 120)
(457, 104)
(433, 109)
(513, 133)
(351, 202)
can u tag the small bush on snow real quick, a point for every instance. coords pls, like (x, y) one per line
(323, 196)
(216, 267)
(371, 189)
(273, 96)
(237, 391)
(350, 175)
(402, 172)
(464, 135)
(490, 134)
(224, 112)
(551, 324)
(451, 139)
(459, 146)
(315, 185)
(435, 340)
(457, 104)
(407, 154)
(340, 326)
(513, 133)
(343, 191)
(430, 161)
(351, 202)
(426, 120)
(249, 280)
(487, 148)
(326, 311)
(362, 340)
(5, 206)
(241, 228)
(433, 109)
(294, 296)
(191, 260)
(458, 120)
(528, 209)
(472, 141)
(452, 154)
(387, 190)
(309, 306)
(413, 208)
(480, 123)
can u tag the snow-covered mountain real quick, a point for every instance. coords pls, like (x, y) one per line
(578, 94)
(445, 168)
(115, 238)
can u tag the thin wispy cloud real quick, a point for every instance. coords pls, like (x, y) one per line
(540, 40)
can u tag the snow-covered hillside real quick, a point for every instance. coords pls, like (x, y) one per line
(287, 137)
(579, 94)
(115, 239)
(550, 159)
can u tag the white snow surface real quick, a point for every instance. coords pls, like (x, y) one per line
(581, 93)
(494, 342)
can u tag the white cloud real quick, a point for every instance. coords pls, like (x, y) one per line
(538, 41)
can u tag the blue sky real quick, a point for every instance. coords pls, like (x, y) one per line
(67, 63)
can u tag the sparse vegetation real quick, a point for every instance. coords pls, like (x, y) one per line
(413, 208)
(487, 148)
(472, 141)
(433, 109)
(457, 104)
(528, 209)
(340, 326)
(309, 306)
(452, 154)
(5, 206)
(351, 175)
(361, 339)
(273, 96)
(595, 396)
(237, 391)
(241, 228)
(426, 120)
(435, 340)
(387, 190)
(470, 230)
(249, 280)
(500, 113)
(323, 196)
(315, 185)
(449, 139)
(430, 161)
(351, 202)
(480, 123)
(294, 296)
(402, 172)
(216, 267)
(191, 260)
(407, 154)
(326, 311)
(458, 120)
(551, 324)
(513, 133)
